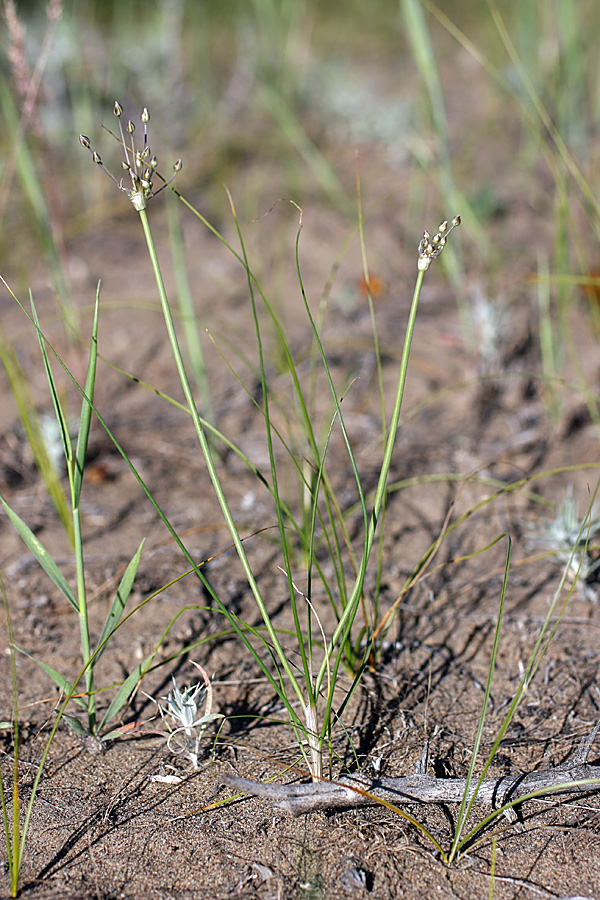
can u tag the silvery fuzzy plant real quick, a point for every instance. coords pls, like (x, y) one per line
(182, 707)
(570, 537)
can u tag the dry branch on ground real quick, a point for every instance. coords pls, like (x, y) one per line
(573, 776)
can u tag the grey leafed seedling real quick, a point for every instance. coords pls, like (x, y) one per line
(574, 541)
(189, 723)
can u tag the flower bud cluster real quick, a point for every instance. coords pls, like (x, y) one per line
(431, 247)
(140, 163)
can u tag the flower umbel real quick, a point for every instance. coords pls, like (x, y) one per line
(431, 247)
(139, 163)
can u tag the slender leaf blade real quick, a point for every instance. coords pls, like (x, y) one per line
(41, 554)
(126, 690)
(85, 418)
(62, 683)
(118, 604)
(60, 416)
(75, 725)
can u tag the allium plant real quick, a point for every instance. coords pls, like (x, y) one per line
(306, 678)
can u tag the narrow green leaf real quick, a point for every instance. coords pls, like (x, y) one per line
(85, 418)
(210, 717)
(466, 804)
(115, 735)
(40, 553)
(126, 690)
(58, 410)
(63, 684)
(118, 604)
(32, 426)
(75, 725)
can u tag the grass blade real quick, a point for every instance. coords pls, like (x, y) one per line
(41, 554)
(65, 686)
(466, 806)
(33, 430)
(86, 408)
(12, 836)
(54, 392)
(118, 604)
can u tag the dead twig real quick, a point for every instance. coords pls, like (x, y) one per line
(573, 776)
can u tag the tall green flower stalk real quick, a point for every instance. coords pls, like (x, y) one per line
(309, 681)
(141, 165)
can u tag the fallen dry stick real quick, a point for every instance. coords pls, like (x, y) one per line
(353, 791)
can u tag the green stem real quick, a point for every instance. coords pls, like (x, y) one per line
(205, 447)
(345, 623)
(12, 836)
(84, 630)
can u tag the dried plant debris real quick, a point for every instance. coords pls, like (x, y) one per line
(573, 776)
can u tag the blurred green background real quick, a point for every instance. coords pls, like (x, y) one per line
(486, 108)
